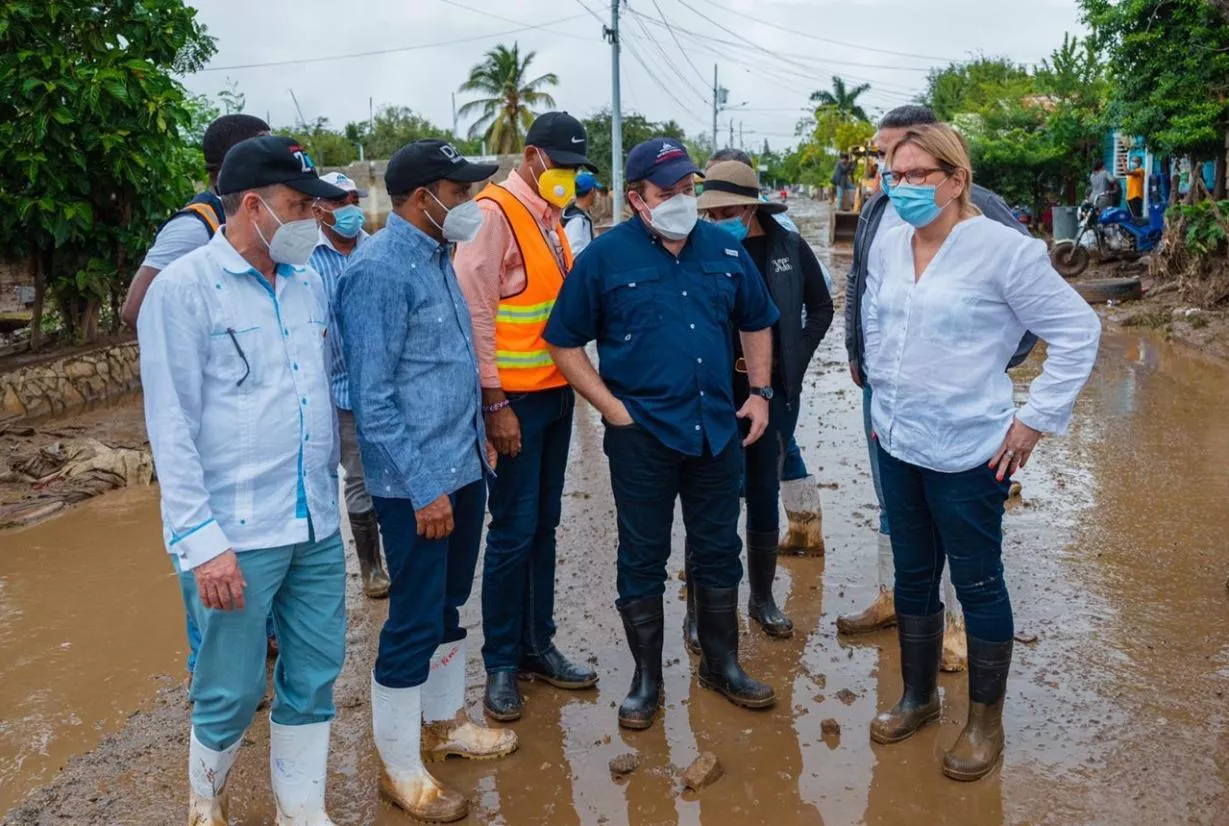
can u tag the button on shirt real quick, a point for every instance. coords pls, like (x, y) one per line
(664, 327)
(413, 373)
(237, 406)
(330, 263)
(937, 349)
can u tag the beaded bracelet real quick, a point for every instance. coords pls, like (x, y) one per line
(496, 407)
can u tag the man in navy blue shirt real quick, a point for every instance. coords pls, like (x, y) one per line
(662, 295)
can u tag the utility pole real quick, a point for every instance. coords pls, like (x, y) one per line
(741, 143)
(454, 117)
(616, 118)
(720, 97)
(731, 132)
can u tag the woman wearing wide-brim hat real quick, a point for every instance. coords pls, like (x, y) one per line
(731, 198)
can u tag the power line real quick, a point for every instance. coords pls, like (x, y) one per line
(636, 56)
(686, 56)
(542, 26)
(591, 12)
(375, 52)
(670, 63)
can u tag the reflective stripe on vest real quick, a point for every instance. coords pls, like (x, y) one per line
(521, 354)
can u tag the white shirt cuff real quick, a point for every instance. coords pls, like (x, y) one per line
(1053, 424)
(200, 545)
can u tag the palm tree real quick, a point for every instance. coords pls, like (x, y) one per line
(506, 111)
(842, 98)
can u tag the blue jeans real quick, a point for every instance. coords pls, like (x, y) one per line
(303, 587)
(647, 477)
(430, 580)
(872, 447)
(518, 579)
(952, 516)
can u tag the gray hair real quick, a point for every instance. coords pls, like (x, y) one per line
(730, 154)
(909, 115)
(231, 201)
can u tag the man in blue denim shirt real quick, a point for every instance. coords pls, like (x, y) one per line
(663, 295)
(414, 388)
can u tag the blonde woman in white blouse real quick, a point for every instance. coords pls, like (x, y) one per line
(955, 293)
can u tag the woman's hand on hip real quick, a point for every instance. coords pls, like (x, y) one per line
(1016, 449)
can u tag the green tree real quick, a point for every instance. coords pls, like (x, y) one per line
(961, 88)
(507, 111)
(92, 142)
(636, 129)
(327, 146)
(842, 98)
(395, 126)
(1169, 63)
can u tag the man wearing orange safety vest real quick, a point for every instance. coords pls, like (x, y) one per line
(511, 274)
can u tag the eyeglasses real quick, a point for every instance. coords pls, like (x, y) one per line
(912, 176)
(247, 368)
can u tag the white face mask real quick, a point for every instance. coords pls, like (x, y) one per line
(461, 223)
(293, 242)
(674, 219)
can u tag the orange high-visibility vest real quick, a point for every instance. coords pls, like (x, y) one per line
(524, 362)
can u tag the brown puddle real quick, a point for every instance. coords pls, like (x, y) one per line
(1116, 560)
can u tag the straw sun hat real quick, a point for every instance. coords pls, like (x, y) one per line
(731, 183)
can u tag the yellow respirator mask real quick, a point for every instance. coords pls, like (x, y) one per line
(557, 186)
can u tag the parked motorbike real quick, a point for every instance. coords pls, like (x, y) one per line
(1119, 236)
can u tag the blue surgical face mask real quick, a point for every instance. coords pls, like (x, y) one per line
(915, 203)
(348, 221)
(735, 226)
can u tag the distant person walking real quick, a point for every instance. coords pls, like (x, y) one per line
(1100, 183)
(1136, 178)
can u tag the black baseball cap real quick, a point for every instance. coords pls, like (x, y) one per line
(562, 137)
(424, 162)
(269, 160)
(661, 161)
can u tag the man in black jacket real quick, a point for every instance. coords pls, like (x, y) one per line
(878, 216)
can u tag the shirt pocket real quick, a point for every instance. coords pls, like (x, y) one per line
(235, 356)
(720, 285)
(633, 300)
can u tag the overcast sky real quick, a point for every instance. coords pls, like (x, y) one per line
(770, 53)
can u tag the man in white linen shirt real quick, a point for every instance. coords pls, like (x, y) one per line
(237, 404)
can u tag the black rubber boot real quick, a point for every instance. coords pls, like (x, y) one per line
(921, 646)
(978, 748)
(366, 530)
(644, 623)
(761, 571)
(502, 700)
(690, 638)
(717, 619)
(555, 669)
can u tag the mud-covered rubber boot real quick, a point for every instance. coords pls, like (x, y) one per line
(978, 748)
(955, 649)
(298, 768)
(208, 802)
(447, 730)
(761, 572)
(645, 625)
(366, 530)
(691, 639)
(396, 723)
(881, 613)
(921, 645)
(804, 535)
(717, 620)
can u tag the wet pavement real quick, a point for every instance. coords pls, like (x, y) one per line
(1116, 560)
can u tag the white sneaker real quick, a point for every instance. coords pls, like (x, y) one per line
(208, 804)
(298, 767)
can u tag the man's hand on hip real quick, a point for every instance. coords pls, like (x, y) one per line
(435, 520)
(755, 410)
(220, 582)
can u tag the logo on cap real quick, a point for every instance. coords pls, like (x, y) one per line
(451, 153)
(669, 152)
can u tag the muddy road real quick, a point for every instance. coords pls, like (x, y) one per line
(1116, 559)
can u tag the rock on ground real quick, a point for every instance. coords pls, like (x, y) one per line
(705, 771)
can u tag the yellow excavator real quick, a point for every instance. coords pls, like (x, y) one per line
(866, 176)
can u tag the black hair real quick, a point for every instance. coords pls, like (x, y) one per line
(403, 198)
(729, 154)
(911, 114)
(224, 133)
(1098, 166)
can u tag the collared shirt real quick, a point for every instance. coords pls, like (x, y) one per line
(237, 404)
(330, 262)
(664, 327)
(937, 348)
(889, 221)
(413, 374)
(490, 267)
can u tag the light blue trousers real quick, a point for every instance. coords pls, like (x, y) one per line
(303, 586)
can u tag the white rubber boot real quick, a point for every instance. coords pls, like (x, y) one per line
(955, 646)
(298, 766)
(447, 729)
(208, 803)
(396, 723)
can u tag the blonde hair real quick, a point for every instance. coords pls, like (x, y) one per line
(948, 147)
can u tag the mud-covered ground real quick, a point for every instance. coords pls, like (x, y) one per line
(1116, 558)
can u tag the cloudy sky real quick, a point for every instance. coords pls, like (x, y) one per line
(337, 56)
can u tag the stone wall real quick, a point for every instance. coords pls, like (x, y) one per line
(70, 383)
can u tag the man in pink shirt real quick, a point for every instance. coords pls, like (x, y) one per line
(511, 274)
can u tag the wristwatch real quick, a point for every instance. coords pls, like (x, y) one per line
(764, 393)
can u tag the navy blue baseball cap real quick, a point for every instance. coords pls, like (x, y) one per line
(661, 161)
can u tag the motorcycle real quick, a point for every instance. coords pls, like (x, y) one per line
(1119, 236)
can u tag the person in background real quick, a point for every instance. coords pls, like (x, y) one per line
(1099, 183)
(1136, 178)
(196, 223)
(842, 181)
(341, 233)
(414, 387)
(879, 215)
(731, 199)
(950, 295)
(511, 273)
(663, 295)
(578, 217)
(235, 375)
